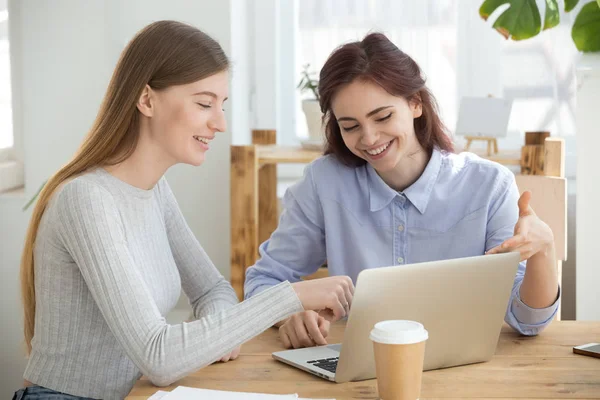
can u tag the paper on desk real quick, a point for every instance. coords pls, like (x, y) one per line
(158, 395)
(187, 393)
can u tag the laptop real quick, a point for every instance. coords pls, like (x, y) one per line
(461, 302)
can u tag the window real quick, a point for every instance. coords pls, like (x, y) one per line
(6, 126)
(460, 55)
(11, 166)
(539, 75)
(425, 30)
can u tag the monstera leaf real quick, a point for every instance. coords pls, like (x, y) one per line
(552, 16)
(586, 29)
(570, 4)
(522, 20)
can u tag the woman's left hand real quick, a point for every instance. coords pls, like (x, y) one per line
(531, 236)
(231, 356)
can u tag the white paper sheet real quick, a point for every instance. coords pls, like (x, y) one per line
(187, 393)
(158, 395)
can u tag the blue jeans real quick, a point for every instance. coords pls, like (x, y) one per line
(41, 393)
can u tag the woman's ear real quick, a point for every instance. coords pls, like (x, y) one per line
(145, 102)
(416, 106)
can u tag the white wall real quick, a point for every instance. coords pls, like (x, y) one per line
(588, 190)
(12, 231)
(67, 50)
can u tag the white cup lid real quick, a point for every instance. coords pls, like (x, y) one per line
(399, 332)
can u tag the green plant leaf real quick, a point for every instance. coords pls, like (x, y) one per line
(30, 202)
(520, 21)
(586, 29)
(570, 4)
(552, 15)
(308, 83)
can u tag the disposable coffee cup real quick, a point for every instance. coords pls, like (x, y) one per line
(399, 347)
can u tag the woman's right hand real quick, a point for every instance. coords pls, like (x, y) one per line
(331, 295)
(304, 329)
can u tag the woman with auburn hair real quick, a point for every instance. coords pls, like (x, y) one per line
(391, 191)
(108, 250)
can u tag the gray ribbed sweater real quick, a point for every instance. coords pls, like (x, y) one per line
(110, 261)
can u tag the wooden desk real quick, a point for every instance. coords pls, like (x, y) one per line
(542, 367)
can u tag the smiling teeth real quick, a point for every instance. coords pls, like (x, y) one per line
(378, 150)
(201, 139)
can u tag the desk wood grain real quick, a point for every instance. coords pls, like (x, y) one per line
(542, 367)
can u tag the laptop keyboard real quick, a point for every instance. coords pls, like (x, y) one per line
(328, 364)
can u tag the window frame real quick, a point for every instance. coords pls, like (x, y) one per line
(11, 158)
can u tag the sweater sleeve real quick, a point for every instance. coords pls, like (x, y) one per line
(93, 233)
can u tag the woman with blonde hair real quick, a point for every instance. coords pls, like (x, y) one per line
(108, 248)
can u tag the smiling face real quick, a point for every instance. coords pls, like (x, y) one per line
(185, 118)
(375, 125)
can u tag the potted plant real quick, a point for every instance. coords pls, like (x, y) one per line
(310, 105)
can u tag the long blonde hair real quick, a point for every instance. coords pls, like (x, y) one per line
(163, 54)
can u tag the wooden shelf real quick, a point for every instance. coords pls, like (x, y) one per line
(503, 157)
(273, 154)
